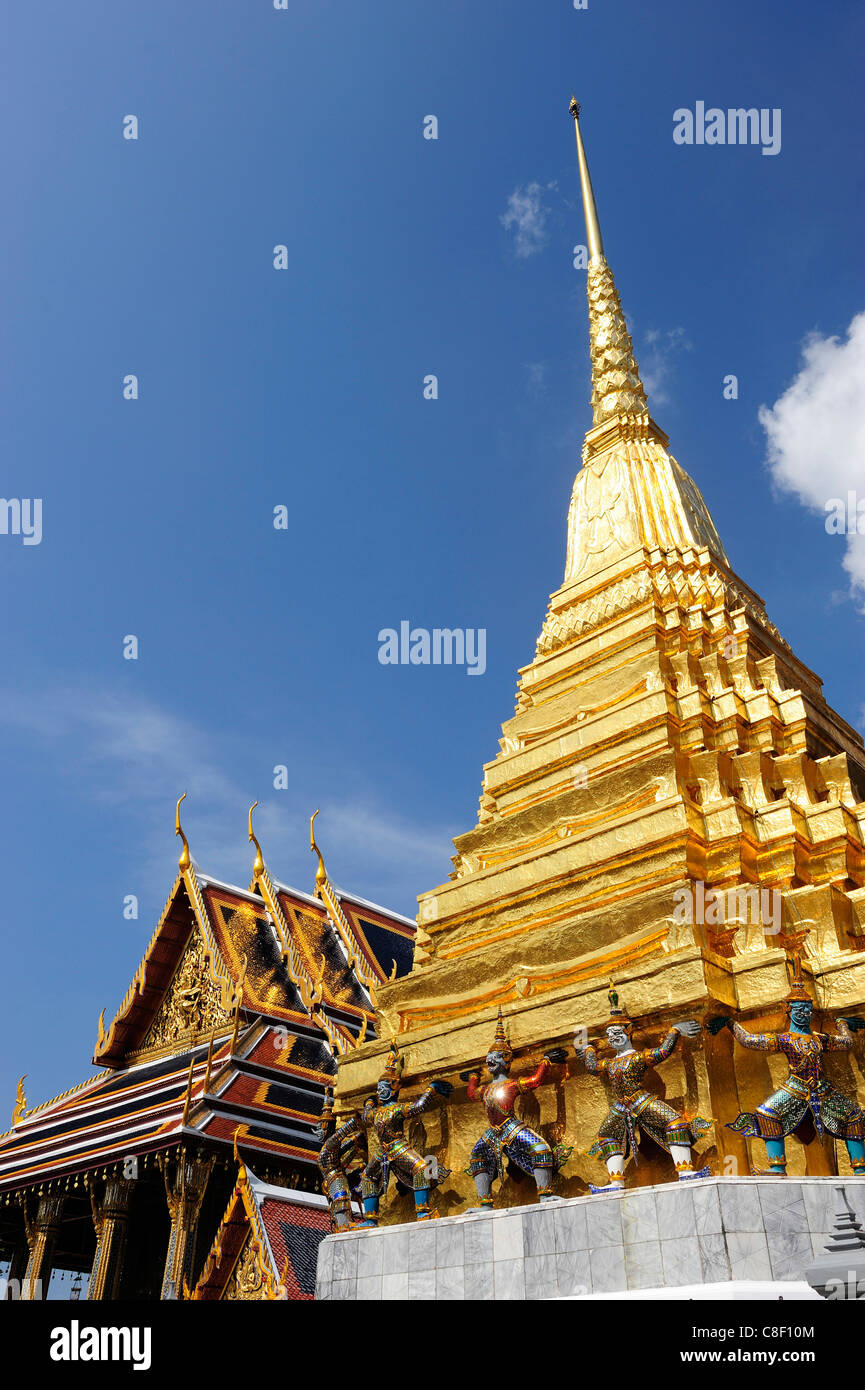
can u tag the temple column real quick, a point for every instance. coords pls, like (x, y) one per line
(110, 1219)
(41, 1238)
(186, 1176)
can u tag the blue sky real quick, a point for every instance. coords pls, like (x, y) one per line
(304, 388)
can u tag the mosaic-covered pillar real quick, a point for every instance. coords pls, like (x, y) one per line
(42, 1238)
(186, 1175)
(110, 1218)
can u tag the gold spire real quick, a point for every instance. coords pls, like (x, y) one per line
(185, 859)
(258, 866)
(321, 872)
(616, 385)
(593, 228)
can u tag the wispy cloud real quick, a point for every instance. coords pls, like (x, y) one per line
(526, 218)
(815, 434)
(537, 384)
(658, 361)
(134, 758)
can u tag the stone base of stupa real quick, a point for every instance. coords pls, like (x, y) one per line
(708, 1231)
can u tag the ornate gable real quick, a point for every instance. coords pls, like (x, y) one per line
(250, 1280)
(191, 1006)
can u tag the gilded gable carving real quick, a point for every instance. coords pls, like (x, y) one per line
(247, 1282)
(191, 1003)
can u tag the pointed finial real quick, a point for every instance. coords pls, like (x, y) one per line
(501, 1041)
(798, 988)
(593, 227)
(258, 866)
(394, 1067)
(321, 872)
(188, 1090)
(101, 1033)
(616, 386)
(185, 859)
(618, 1015)
(209, 1064)
(20, 1101)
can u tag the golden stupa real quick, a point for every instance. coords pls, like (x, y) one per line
(673, 806)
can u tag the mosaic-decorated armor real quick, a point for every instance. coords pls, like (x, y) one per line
(806, 1093)
(635, 1108)
(387, 1116)
(340, 1161)
(507, 1137)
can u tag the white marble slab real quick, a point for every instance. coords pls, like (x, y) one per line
(676, 1236)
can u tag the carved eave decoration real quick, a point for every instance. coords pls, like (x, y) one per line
(183, 922)
(252, 1276)
(310, 989)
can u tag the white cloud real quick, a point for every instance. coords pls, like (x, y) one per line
(526, 216)
(537, 384)
(658, 361)
(816, 433)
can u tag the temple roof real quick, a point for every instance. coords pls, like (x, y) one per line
(114, 1115)
(280, 1228)
(261, 1088)
(270, 949)
(229, 1029)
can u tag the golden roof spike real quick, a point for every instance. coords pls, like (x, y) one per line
(20, 1102)
(185, 859)
(321, 872)
(209, 1064)
(258, 866)
(593, 226)
(188, 1090)
(616, 386)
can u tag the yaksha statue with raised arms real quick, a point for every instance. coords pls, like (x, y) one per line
(507, 1137)
(634, 1108)
(386, 1117)
(341, 1160)
(806, 1101)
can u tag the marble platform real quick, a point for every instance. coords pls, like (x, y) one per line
(706, 1231)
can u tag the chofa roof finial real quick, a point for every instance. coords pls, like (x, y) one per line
(185, 859)
(258, 866)
(321, 872)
